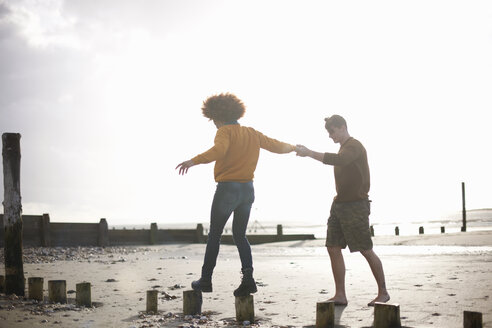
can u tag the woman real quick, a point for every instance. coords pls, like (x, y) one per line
(235, 152)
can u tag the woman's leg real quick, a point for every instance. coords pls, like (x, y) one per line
(239, 226)
(222, 207)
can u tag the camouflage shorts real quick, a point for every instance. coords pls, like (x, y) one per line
(348, 224)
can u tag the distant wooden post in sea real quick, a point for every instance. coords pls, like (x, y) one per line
(463, 227)
(12, 217)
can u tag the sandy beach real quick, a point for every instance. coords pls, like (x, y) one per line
(434, 278)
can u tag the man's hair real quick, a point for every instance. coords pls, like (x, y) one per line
(224, 107)
(335, 121)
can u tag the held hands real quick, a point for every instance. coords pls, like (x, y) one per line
(302, 151)
(183, 167)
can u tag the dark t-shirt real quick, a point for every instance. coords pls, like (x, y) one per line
(351, 171)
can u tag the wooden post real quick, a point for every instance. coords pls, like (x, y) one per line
(472, 319)
(2, 284)
(12, 217)
(421, 230)
(463, 227)
(45, 231)
(280, 230)
(245, 309)
(57, 291)
(35, 288)
(153, 233)
(83, 294)
(386, 315)
(152, 301)
(443, 229)
(199, 233)
(325, 314)
(192, 302)
(102, 233)
(397, 231)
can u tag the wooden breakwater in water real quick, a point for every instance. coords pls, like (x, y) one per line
(39, 231)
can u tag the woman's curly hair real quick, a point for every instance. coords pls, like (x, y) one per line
(224, 107)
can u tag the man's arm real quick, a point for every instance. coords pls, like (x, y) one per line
(303, 151)
(345, 156)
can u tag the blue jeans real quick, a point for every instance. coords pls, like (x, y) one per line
(229, 197)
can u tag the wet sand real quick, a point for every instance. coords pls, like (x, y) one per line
(434, 278)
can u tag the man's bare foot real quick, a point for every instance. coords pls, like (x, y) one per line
(339, 301)
(383, 298)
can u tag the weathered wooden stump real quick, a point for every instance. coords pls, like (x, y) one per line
(397, 231)
(386, 315)
(45, 230)
(152, 301)
(200, 238)
(102, 233)
(153, 233)
(463, 227)
(83, 294)
(472, 319)
(245, 309)
(280, 230)
(325, 314)
(192, 302)
(35, 288)
(12, 217)
(57, 291)
(443, 230)
(421, 230)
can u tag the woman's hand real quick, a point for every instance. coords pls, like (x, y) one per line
(183, 167)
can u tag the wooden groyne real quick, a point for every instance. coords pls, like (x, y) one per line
(38, 231)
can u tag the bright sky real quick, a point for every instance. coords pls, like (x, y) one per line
(107, 97)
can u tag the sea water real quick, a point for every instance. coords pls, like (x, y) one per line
(477, 220)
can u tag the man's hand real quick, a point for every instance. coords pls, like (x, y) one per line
(302, 151)
(183, 167)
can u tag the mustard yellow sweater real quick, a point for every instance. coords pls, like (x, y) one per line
(236, 150)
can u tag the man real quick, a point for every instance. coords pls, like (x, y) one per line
(235, 152)
(348, 223)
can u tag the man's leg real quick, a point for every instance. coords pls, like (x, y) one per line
(338, 268)
(378, 272)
